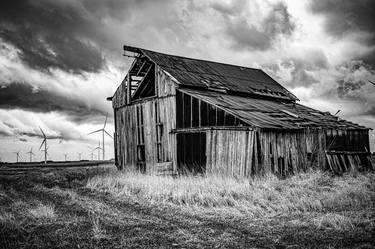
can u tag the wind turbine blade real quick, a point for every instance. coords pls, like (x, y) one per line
(108, 134)
(105, 122)
(44, 135)
(44, 140)
(371, 82)
(94, 131)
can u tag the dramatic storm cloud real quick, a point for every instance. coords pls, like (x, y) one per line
(258, 35)
(59, 60)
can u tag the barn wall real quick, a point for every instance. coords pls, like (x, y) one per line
(247, 152)
(231, 152)
(283, 152)
(165, 86)
(158, 119)
(316, 147)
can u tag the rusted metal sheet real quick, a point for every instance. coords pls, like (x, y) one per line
(263, 113)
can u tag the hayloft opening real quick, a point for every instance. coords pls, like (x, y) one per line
(142, 78)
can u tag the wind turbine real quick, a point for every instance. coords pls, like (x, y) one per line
(92, 156)
(79, 156)
(98, 148)
(45, 145)
(17, 155)
(66, 156)
(31, 154)
(103, 131)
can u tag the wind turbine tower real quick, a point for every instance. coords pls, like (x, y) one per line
(98, 148)
(31, 154)
(66, 156)
(45, 145)
(103, 131)
(17, 155)
(79, 156)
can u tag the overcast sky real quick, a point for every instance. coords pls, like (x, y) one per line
(60, 59)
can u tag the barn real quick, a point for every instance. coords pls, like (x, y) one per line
(175, 115)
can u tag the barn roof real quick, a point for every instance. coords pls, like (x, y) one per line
(209, 74)
(263, 113)
(222, 85)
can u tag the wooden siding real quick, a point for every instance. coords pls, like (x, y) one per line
(231, 152)
(245, 153)
(165, 86)
(126, 139)
(283, 153)
(316, 147)
(119, 98)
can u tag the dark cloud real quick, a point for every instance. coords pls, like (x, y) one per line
(80, 35)
(23, 96)
(55, 34)
(350, 85)
(345, 88)
(279, 21)
(37, 134)
(370, 111)
(117, 9)
(345, 17)
(302, 68)
(248, 36)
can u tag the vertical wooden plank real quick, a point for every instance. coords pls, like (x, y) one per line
(246, 155)
(275, 153)
(208, 152)
(256, 166)
(214, 160)
(251, 154)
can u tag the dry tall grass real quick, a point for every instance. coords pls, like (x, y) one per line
(42, 211)
(306, 192)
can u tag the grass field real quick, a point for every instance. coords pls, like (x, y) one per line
(100, 208)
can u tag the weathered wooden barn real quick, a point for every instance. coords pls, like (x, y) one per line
(175, 114)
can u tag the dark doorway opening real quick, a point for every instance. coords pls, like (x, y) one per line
(191, 153)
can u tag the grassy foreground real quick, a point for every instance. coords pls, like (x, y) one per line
(108, 209)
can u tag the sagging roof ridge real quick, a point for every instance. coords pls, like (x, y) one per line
(189, 58)
(144, 52)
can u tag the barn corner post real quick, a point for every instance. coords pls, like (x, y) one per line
(174, 113)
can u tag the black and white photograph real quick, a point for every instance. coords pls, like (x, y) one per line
(187, 124)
